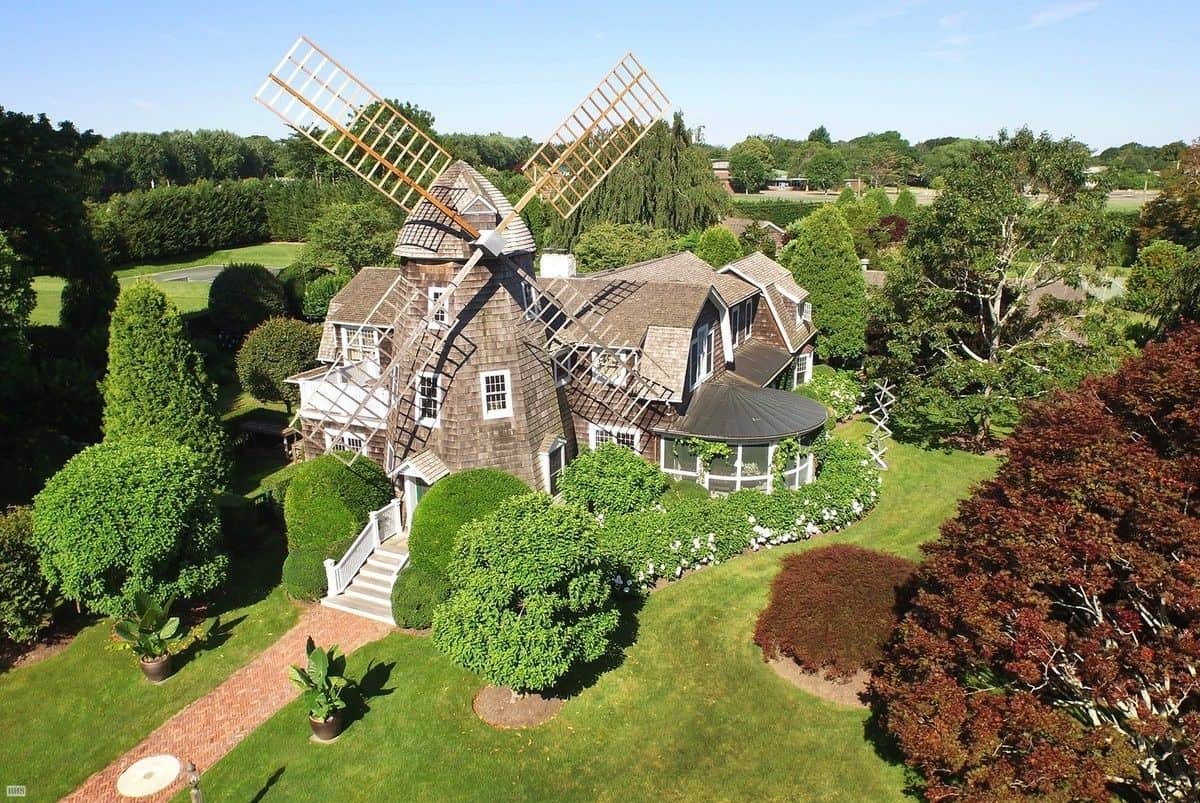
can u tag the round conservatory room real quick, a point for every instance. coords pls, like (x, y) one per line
(743, 465)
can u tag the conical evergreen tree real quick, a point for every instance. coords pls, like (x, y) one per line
(847, 196)
(823, 261)
(906, 204)
(156, 387)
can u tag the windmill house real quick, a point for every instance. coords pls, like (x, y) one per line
(461, 357)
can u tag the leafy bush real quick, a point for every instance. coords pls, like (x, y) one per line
(293, 206)
(129, 516)
(175, 220)
(273, 351)
(611, 245)
(1152, 274)
(26, 603)
(441, 513)
(304, 574)
(295, 278)
(718, 246)
(351, 236)
(906, 205)
(242, 296)
(328, 503)
(878, 198)
(530, 600)
(681, 489)
(156, 387)
(839, 391)
(612, 479)
(832, 609)
(320, 291)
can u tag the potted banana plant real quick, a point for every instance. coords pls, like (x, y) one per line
(149, 633)
(323, 684)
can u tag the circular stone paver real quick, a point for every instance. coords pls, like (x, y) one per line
(149, 775)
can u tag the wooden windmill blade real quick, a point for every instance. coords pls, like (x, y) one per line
(329, 105)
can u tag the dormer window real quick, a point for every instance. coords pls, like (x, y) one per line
(700, 356)
(360, 343)
(804, 313)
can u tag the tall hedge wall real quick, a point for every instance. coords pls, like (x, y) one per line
(293, 205)
(780, 211)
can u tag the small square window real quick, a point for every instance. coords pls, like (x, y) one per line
(494, 388)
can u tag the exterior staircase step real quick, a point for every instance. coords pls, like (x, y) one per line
(359, 607)
(382, 575)
(371, 584)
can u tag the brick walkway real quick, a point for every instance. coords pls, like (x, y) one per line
(210, 727)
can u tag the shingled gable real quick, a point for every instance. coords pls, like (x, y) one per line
(428, 234)
(778, 287)
(371, 298)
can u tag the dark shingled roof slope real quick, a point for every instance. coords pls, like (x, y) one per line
(734, 412)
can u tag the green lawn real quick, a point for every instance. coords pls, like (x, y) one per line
(188, 296)
(690, 712)
(73, 713)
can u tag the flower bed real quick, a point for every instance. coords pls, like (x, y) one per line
(656, 543)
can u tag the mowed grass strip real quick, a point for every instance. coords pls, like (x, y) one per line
(691, 712)
(188, 296)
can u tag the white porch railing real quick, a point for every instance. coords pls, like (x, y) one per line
(382, 525)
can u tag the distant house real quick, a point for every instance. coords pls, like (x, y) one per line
(737, 225)
(720, 168)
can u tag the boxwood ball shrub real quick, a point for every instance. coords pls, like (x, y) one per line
(327, 505)
(442, 511)
(273, 351)
(242, 296)
(530, 599)
(833, 609)
(612, 479)
(304, 573)
(128, 516)
(26, 602)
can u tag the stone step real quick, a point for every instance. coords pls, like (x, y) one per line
(395, 548)
(367, 595)
(378, 573)
(371, 610)
(382, 586)
(390, 558)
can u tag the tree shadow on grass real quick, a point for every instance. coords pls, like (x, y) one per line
(271, 781)
(215, 635)
(584, 677)
(370, 685)
(888, 751)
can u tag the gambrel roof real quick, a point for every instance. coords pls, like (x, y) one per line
(428, 234)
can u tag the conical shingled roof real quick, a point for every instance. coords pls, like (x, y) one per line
(428, 234)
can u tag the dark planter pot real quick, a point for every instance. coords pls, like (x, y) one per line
(328, 730)
(156, 669)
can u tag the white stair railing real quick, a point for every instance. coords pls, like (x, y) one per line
(381, 525)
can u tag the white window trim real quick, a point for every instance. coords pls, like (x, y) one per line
(339, 441)
(802, 376)
(595, 429)
(743, 330)
(705, 360)
(507, 410)
(433, 294)
(530, 301)
(429, 422)
(558, 445)
(564, 365)
(355, 338)
(804, 312)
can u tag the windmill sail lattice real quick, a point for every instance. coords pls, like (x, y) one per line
(331, 107)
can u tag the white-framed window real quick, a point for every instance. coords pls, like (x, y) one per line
(429, 399)
(495, 388)
(700, 356)
(346, 442)
(530, 301)
(804, 312)
(442, 315)
(741, 318)
(360, 343)
(610, 366)
(802, 369)
(565, 363)
(556, 459)
(629, 437)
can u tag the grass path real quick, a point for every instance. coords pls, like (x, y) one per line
(690, 712)
(188, 296)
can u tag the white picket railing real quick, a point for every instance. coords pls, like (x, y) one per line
(382, 525)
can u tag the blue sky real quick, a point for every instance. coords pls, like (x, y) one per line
(1104, 71)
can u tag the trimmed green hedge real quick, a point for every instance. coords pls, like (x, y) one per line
(445, 508)
(304, 574)
(779, 211)
(26, 602)
(326, 506)
(612, 480)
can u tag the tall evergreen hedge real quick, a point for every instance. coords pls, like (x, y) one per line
(780, 211)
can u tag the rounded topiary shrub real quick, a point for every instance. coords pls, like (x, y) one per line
(26, 602)
(304, 574)
(530, 598)
(242, 296)
(612, 479)
(326, 506)
(274, 350)
(442, 511)
(129, 516)
(833, 609)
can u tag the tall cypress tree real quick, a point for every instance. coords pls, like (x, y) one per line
(823, 261)
(156, 387)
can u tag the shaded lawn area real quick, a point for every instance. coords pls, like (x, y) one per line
(73, 713)
(188, 296)
(690, 712)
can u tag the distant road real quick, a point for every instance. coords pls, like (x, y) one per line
(200, 273)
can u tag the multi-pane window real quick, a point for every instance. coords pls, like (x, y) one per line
(360, 343)
(442, 314)
(622, 436)
(429, 399)
(802, 370)
(555, 460)
(804, 312)
(741, 317)
(497, 401)
(346, 442)
(530, 301)
(700, 356)
(564, 366)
